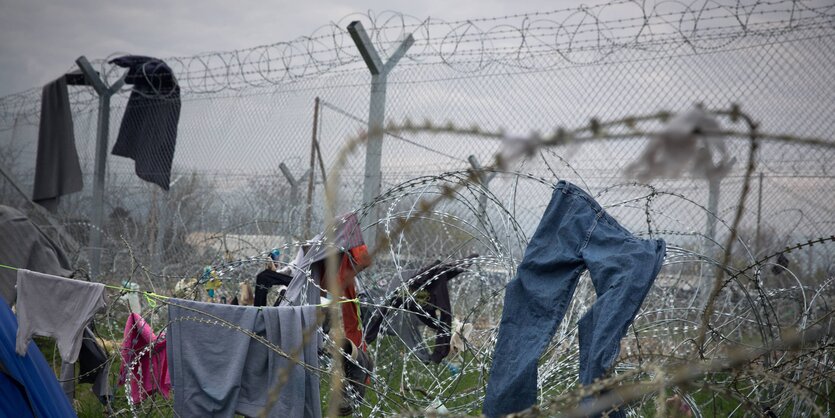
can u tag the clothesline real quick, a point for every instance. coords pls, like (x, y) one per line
(289, 332)
(150, 295)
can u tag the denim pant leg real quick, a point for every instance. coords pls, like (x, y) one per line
(585, 333)
(535, 303)
(585, 327)
(623, 269)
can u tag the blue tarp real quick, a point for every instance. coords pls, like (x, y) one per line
(28, 385)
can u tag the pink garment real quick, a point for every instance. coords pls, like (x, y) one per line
(149, 374)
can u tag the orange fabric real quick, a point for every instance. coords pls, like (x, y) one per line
(348, 270)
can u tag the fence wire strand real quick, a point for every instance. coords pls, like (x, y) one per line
(740, 319)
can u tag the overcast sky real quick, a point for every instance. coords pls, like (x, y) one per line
(39, 39)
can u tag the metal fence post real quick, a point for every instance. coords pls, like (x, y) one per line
(757, 245)
(102, 132)
(294, 183)
(713, 187)
(314, 151)
(483, 180)
(376, 112)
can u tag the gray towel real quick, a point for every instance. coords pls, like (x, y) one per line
(52, 306)
(24, 245)
(57, 171)
(217, 370)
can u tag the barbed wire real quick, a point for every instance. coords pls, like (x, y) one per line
(658, 322)
(444, 213)
(524, 42)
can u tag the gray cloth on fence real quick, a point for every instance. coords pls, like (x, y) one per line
(347, 235)
(148, 133)
(52, 306)
(94, 366)
(217, 370)
(57, 171)
(405, 325)
(24, 245)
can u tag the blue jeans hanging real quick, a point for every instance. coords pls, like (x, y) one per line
(575, 234)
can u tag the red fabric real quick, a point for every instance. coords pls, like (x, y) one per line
(149, 374)
(348, 270)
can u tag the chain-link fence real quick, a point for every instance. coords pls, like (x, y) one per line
(245, 113)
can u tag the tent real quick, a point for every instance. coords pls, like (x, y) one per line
(24, 245)
(28, 386)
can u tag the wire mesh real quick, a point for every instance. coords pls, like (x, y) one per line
(244, 112)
